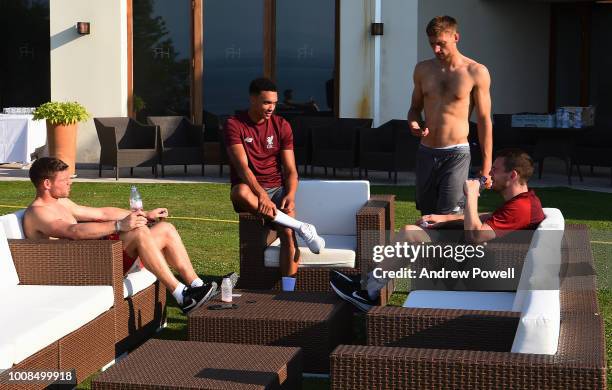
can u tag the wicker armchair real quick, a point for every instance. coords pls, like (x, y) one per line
(373, 220)
(595, 149)
(71, 263)
(302, 127)
(213, 146)
(389, 147)
(140, 299)
(412, 348)
(337, 145)
(124, 142)
(180, 141)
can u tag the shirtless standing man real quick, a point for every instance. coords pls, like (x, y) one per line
(447, 88)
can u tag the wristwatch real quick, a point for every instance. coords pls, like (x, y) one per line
(118, 226)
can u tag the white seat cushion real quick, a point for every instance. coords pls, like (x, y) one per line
(13, 224)
(41, 315)
(331, 205)
(539, 325)
(7, 351)
(136, 281)
(465, 300)
(8, 273)
(339, 251)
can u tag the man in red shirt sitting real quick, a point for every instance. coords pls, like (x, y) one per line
(264, 176)
(522, 210)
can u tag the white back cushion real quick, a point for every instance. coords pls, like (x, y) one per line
(539, 325)
(13, 224)
(543, 261)
(8, 273)
(331, 205)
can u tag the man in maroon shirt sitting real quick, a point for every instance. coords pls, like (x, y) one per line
(264, 176)
(522, 210)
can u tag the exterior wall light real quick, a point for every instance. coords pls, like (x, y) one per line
(82, 28)
(377, 29)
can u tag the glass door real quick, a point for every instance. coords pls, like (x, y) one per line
(233, 49)
(305, 46)
(162, 57)
(25, 69)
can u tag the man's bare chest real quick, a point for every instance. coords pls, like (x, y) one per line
(447, 85)
(62, 213)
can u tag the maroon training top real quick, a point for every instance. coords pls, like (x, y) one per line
(262, 144)
(523, 212)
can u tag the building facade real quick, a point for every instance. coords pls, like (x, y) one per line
(195, 57)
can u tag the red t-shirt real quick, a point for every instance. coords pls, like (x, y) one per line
(263, 144)
(523, 212)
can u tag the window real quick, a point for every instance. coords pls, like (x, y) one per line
(233, 53)
(25, 70)
(162, 57)
(305, 44)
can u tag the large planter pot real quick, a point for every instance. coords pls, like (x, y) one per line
(61, 140)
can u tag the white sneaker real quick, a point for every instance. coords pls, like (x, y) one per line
(308, 233)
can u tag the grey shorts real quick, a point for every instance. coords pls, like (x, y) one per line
(276, 195)
(440, 174)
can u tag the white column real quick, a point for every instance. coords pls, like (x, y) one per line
(399, 53)
(376, 71)
(90, 69)
(356, 80)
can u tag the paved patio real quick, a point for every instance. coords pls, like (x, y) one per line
(553, 176)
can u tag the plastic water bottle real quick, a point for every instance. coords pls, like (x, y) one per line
(461, 204)
(226, 290)
(135, 200)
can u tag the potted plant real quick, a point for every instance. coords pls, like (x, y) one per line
(62, 119)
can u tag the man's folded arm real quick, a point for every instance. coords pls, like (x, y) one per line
(89, 214)
(58, 228)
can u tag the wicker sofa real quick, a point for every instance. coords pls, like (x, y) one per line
(139, 313)
(344, 213)
(494, 348)
(58, 305)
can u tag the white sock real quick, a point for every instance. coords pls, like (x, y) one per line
(178, 293)
(197, 283)
(288, 283)
(374, 286)
(287, 221)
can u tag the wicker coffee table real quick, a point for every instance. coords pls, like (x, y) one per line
(317, 322)
(193, 365)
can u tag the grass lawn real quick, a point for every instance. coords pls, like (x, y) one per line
(213, 244)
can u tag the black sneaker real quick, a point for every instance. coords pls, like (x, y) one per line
(341, 277)
(194, 297)
(347, 291)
